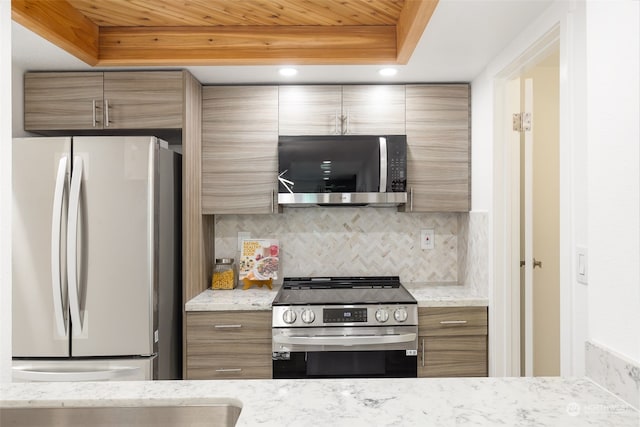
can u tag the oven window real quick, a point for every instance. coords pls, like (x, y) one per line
(347, 364)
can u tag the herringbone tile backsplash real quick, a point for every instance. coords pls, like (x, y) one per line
(351, 242)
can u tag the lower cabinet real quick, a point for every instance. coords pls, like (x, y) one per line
(228, 345)
(452, 342)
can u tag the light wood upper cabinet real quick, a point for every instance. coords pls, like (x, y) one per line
(310, 110)
(62, 101)
(143, 100)
(335, 110)
(373, 109)
(239, 149)
(109, 100)
(438, 152)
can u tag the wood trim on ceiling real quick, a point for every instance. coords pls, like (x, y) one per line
(59, 22)
(413, 20)
(246, 45)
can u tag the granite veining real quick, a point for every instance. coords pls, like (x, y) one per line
(445, 295)
(615, 373)
(233, 299)
(427, 295)
(514, 402)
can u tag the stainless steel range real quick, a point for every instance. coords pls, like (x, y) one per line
(343, 327)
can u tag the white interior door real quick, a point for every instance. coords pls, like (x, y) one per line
(527, 227)
(540, 220)
(543, 276)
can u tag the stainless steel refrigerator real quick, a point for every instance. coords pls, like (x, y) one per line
(96, 259)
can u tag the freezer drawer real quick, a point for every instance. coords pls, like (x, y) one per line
(138, 369)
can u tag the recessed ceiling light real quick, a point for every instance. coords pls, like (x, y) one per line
(388, 72)
(288, 72)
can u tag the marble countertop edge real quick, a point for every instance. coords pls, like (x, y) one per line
(427, 294)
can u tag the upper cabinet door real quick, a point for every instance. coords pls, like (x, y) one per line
(239, 149)
(310, 110)
(373, 109)
(143, 100)
(62, 101)
(438, 152)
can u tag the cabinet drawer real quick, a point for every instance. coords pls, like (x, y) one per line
(453, 356)
(225, 360)
(238, 326)
(445, 321)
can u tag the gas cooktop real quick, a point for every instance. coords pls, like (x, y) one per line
(342, 291)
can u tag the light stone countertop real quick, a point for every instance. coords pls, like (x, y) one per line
(253, 298)
(427, 294)
(513, 402)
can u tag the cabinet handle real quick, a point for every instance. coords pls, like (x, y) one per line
(106, 113)
(411, 199)
(94, 113)
(229, 370)
(453, 322)
(273, 204)
(346, 131)
(227, 326)
(422, 352)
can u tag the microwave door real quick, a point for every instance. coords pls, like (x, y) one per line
(329, 164)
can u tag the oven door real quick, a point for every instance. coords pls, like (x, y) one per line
(389, 352)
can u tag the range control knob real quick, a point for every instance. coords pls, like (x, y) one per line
(308, 316)
(400, 315)
(289, 316)
(382, 315)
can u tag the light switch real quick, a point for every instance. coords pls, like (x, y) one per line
(581, 264)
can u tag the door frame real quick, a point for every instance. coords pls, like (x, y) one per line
(505, 298)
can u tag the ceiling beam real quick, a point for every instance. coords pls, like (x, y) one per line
(247, 45)
(61, 24)
(413, 20)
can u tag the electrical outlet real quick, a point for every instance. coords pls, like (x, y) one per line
(427, 238)
(242, 235)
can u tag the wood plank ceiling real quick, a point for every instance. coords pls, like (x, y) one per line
(229, 32)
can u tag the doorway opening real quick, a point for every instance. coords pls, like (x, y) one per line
(537, 134)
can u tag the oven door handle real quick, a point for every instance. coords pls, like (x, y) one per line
(345, 341)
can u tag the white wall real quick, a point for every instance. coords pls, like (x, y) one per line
(613, 110)
(600, 172)
(5, 191)
(566, 19)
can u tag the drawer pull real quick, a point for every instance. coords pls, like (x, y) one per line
(229, 370)
(227, 326)
(453, 322)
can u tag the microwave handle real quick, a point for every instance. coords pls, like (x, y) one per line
(383, 164)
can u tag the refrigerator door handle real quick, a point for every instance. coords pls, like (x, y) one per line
(53, 376)
(72, 245)
(56, 231)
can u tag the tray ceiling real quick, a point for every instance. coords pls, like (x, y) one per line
(229, 32)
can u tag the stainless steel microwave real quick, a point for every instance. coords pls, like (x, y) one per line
(342, 170)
